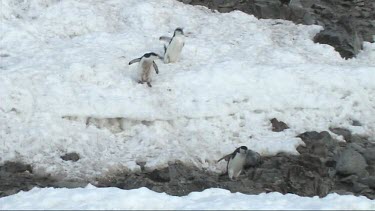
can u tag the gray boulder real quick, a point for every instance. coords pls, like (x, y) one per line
(369, 181)
(253, 159)
(369, 155)
(349, 161)
(343, 37)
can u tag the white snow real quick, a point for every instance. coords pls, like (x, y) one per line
(90, 198)
(69, 59)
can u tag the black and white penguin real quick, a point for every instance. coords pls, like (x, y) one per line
(236, 162)
(176, 43)
(145, 67)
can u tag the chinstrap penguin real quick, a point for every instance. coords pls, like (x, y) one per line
(176, 43)
(236, 161)
(145, 67)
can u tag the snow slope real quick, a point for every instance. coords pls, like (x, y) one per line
(65, 61)
(145, 199)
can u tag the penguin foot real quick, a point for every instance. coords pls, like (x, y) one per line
(140, 82)
(149, 84)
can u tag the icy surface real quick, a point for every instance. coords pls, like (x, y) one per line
(64, 61)
(144, 199)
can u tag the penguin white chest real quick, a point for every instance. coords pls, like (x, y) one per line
(145, 70)
(235, 165)
(174, 49)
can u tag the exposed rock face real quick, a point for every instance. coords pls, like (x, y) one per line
(343, 36)
(15, 176)
(347, 23)
(14, 167)
(351, 162)
(323, 166)
(342, 132)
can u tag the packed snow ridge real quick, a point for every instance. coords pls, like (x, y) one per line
(64, 64)
(144, 199)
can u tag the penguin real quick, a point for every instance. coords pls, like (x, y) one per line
(236, 162)
(145, 66)
(286, 2)
(176, 43)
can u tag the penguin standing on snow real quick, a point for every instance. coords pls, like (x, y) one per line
(173, 50)
(145, 67)
(236, 162)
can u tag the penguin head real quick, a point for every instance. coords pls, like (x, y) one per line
(178, 31)
(152, 56)
(243, 149)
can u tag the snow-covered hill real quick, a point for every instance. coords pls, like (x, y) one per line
(66, 86)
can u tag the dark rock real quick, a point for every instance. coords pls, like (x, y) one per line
(356, 123)
(15, 167)
(343, 37)
(285, 2)
(350, 161)
(313, 163)
(359, 139)
(278, 126)
(312, 173)
(346, 23)
(253, 159)
(311, 135)
(369, 181)
(369, 155)
(330, 163)
(159, 175)
(321, 144)
(319, 148)
(371, 169)
(16, 176)
(357, 147)
(358, 187)
(342, 132)
(349, 179)
(73, 156)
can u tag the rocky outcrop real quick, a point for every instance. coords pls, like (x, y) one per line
(324, 166)
(347, 23)
(17, 176)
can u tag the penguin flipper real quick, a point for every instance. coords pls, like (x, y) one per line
(134, 61)
(155, 67)
(165, 49)
(165, 38)
(226, 157)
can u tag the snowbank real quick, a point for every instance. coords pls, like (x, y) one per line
(145, 199)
